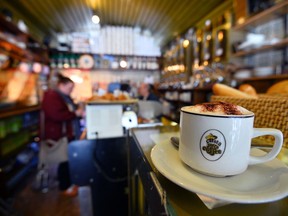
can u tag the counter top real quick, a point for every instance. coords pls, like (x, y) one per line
(177, 200)
(111, 102)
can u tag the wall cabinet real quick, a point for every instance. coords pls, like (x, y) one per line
(260, 41)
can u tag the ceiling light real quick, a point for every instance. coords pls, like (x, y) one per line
(95, 19)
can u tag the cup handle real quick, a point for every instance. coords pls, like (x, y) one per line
(276, 147)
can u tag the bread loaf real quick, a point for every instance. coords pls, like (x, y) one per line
(279, 88)
(225, 90)
(248, 89)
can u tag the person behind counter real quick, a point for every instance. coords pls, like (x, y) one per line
(146, 92)
(59, 109)
(150, 105)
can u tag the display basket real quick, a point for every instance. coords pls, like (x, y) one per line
(271, 111)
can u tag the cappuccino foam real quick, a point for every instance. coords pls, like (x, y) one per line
(216, 108)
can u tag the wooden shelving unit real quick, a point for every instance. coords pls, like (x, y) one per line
(18, 110)
(252, 56)
(280, 44)
(34, 51)
(19, 121)
(261, 84)
(276, 11)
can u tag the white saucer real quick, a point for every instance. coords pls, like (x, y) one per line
(258, 184)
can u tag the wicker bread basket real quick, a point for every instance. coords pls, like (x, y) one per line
(270, 111)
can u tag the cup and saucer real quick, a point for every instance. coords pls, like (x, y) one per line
(258, 184)
(218, 146)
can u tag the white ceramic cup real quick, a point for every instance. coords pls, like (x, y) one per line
(219, 145)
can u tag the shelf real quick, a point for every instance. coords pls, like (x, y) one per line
(22, 54)
(10, 27)
(275, 11)
(205, 89)
(14, 49)
(262, 84)
(56, 52)
(34, 51)
(280, 44)
(9, 180)
(271, 77)
(106, 61)
(110, 69)
(7, 26)
(127, 69)
(16, 110)
(27, 136)
(16, 151)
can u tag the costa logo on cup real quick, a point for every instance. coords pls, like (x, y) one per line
(212, 145)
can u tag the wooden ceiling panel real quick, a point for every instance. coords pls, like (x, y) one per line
(164, 18)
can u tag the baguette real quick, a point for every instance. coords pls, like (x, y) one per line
(225, 90)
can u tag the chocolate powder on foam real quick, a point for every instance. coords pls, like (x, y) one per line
(228, 109)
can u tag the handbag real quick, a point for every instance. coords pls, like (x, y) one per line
(51, 151)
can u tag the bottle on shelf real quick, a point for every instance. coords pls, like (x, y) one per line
(197, 43)
(60, 61)
(72, 61)
(66, 63)
(53, 61)
(220, 45)
(207, 43)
